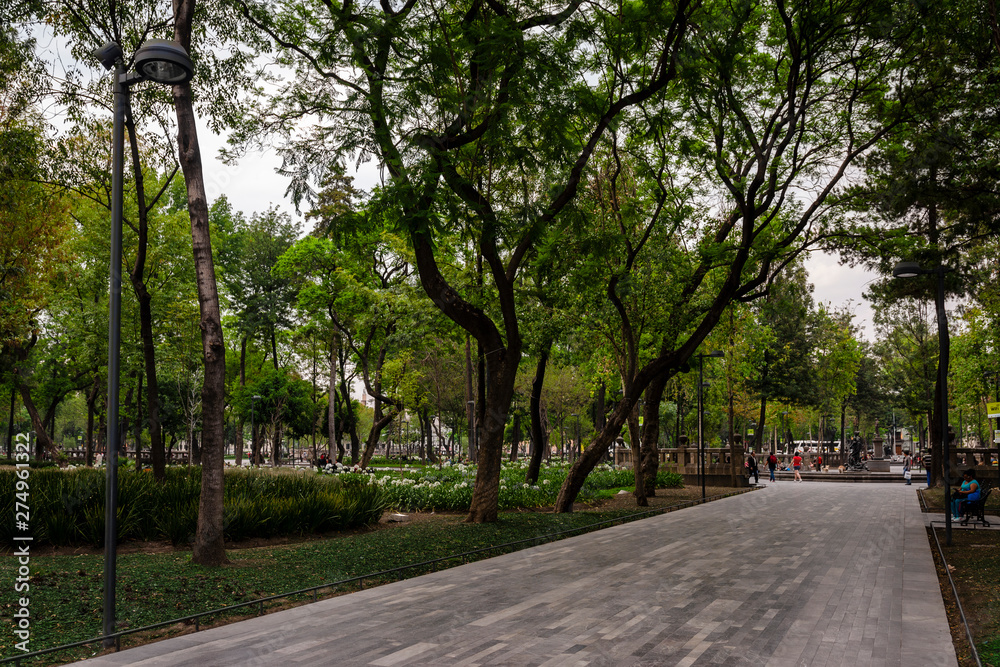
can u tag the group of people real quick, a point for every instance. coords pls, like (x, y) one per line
(772, 465)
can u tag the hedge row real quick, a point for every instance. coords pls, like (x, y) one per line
(67, 506)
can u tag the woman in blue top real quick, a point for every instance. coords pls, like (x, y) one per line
(968, 493)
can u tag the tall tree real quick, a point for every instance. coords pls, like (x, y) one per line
(759, 117)
(209, 544)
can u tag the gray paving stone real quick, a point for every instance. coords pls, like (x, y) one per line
(822, 575)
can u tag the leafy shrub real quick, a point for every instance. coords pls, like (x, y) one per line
(450, 486)
(68, 507)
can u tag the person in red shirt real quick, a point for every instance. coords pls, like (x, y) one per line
(797, 466)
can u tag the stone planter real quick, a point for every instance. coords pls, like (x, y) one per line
(878, 465)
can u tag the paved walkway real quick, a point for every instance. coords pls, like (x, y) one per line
(794, 574)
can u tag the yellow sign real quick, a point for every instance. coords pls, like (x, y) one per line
(993, 410)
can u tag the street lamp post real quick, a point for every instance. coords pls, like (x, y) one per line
(701, 414)
(911, 270)
(167, 63)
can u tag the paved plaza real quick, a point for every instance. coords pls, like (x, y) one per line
(796, 574)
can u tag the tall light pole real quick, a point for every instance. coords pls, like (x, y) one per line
(911, 270)
(701, 414)
(167, 63)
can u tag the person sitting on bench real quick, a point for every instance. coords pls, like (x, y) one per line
(968, 493)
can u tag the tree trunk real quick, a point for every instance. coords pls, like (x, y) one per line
(209, 544)
(332, 404)
(480, 403)
(42, 438)
(350, 421)
(88, 451)
(470, 412)
(650, 449)
(501, 369)
(276, 440)
(124, 423)
(10, 424)
(144, 299)
(238, 446)
(428, 430)
(591, 457)
(378, 425)
(539, 443)
(635, 444)
(137, 425)
(243, 383)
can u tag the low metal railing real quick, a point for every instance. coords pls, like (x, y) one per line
(954, 590)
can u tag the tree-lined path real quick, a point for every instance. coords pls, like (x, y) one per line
(795, 574)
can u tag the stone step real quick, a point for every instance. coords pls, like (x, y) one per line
(848, 476)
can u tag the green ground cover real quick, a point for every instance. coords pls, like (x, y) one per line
(449, 487)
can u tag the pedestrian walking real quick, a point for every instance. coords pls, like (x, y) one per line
(927, 461)
(907, 464)
(772, 463)
(797, 465)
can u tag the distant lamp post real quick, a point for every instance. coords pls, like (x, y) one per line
(912, 270)
(701, 414)
(164, 62)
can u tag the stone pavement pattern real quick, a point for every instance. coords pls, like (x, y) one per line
(794, 574)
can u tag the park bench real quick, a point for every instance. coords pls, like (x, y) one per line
(975, 510)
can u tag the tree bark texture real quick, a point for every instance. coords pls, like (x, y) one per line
(635, 444)
(539, 443)
(209, 545)
(145, 300)
(650, 449)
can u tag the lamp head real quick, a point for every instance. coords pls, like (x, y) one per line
(163, 61)
(717, 353)
(108, 55)
(907, 270)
